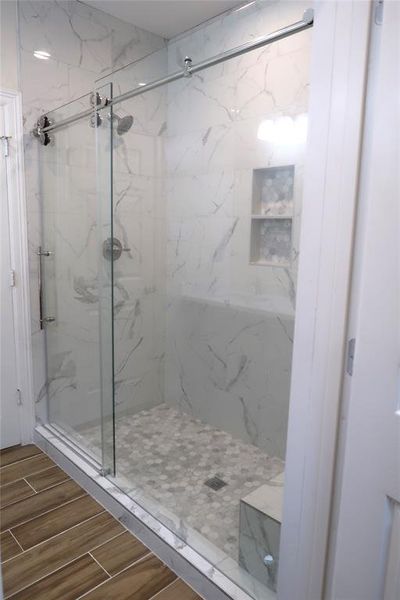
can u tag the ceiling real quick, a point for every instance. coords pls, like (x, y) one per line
(164, 17)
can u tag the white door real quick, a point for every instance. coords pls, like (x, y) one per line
(365, 557)
(10, 433)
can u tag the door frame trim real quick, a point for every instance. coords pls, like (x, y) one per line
(339, 60)
(19, 262)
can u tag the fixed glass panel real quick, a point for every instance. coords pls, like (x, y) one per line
(207, 201)
(72, 280)
(106, 253)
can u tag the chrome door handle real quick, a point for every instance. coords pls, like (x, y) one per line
(42, 320)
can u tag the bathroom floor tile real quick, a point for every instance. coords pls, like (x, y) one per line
(13, 492)
(17, 453)
(28, 466)
(41, 560)
(141, 581)
(67, 583)
(48, 478)
(56, 521)
(29, 508)
(65, 545)
(119, 553)
(180, 590)
(8, 546)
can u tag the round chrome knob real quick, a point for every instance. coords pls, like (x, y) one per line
(269, 560)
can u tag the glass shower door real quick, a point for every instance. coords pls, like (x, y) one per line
(76, 280)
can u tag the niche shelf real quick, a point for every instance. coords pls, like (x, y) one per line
(272, 215)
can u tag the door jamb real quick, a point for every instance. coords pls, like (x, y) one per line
(19, 262)
(337, 95)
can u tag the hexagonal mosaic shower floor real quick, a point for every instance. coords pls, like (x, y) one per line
(170, 455)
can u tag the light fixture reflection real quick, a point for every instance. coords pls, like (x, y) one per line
(245, 6)
(42, 54)
(284, 130)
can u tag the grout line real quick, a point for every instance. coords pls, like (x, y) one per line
(26, 587)
(14, 501)
(22, 459)
(11, 533)
(100, 565)
(31, 486)
(163, 590)
(111, 538)
(54, 484)
(106, 542)
(49, 486)
(19, 478)
(77, 525)
(36, 493)
(135, 562)
(46, 512)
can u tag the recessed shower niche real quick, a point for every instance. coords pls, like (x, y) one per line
(272, 214)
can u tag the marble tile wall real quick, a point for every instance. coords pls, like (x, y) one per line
(229, 325)
(84, 44)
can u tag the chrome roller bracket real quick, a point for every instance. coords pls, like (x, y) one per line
(43, 137)
(95, 120)
(98, 102)
(308, 15)
(187, 67)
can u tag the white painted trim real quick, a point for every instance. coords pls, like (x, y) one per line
(338, 80)
(19, 260)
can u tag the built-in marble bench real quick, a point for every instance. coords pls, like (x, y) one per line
(259, 531)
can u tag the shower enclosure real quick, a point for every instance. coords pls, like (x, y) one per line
(171, 217)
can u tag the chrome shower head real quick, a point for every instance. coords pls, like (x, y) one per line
(124, 124)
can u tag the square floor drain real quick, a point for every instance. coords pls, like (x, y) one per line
(215, 483)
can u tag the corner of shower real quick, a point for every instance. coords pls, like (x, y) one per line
(168, 293)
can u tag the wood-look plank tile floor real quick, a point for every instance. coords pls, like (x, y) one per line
(58, 543)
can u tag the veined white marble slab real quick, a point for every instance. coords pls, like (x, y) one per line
(268, 498)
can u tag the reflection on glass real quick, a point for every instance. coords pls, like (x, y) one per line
(284, 130)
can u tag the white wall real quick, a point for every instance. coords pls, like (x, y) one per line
(8, 45)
